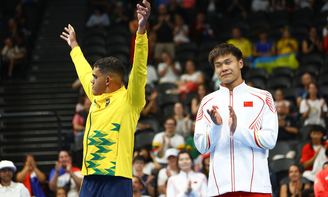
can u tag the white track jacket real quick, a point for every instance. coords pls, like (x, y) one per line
(238, 162)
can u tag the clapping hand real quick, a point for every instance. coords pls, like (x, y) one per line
(215, 116)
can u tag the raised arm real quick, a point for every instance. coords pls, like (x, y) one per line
(138, 77)
(82, 67)
(264, 136)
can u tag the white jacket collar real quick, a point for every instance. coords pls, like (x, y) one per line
(237, 88)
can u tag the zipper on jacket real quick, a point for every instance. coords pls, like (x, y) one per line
(86, 145)
(232, 151)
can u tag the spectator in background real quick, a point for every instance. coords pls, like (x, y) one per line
(137, 187)
(206, 165)
(190, 144)
(299, 4)
(146, 179)
(189, 183)
(279, 96)
(236, 8)
(11, 54)
(151, 163)
(189, 80)
(287, 125)
(242, 43)
(103, 3)
(260, 5)
(9, 188)
(201, 31)
(80, 105)
(60, 192)
(80, 118)
(313, 153)
(170, 170)
(21, 18)
(15, 32)
(278, 4)
(287, 44)
(181, 31)
(151, 103)
(183, 127)
(167, 139)
(98, 19)
(163, 28)
(202, 91)
(263, 47)
(312, 44)
(295, 186)
(32, 177)
(119, 16)
(306, 79)
(313, 107)
(65, 175)
(168, 70)
(321, 180)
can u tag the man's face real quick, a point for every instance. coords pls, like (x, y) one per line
(316, 137)
(170, 126)
(135, 184)
(178, 109)
(236, 33)
(281, 108)
(64, 158)
(98, 82)
(227, 68)
(6, 174)
(138, 165)
(172, 160)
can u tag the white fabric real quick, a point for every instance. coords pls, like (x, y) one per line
(315, 111)
(64, 178)
(162, 175)
(193, 77)
(304, 3)
(260, 5)
(178, 184)
(95, 20)
(170, 76)
(151, 75)
(7, 164)
(10, 52)
(238, 163)
(317, 165)
(180, 36)
(175, 141)
(14, 190)
(286, 102)
(181, 128)
(148, 168)
(324, 8)
(324, 30)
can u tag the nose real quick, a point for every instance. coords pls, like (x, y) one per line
(93, 80)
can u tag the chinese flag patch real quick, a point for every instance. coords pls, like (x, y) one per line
(248, 103)
(195, 182)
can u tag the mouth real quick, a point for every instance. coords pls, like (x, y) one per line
(226, 75)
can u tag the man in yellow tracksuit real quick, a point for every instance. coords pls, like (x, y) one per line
(109, 133)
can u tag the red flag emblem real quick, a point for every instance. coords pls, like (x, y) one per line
(248, 103)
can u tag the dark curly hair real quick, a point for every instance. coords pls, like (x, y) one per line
(224, 49)
(110, 65)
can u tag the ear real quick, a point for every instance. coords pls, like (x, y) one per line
(108, 80)
(241, 63)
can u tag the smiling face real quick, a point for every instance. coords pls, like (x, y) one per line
(170, 126)
(98, 82)
(227, 68)
(312, 90)
(294, 173)
(184, 162)
(63, 158)
(190, 67)
(178, 109)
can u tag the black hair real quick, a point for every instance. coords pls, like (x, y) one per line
(138, 179)
(170, 118)
(185, 152)
(307, 88)
(110, 65)
(139, 158)
(224, 49)
(318, 128)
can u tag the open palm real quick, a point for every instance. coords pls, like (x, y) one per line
(143, 13)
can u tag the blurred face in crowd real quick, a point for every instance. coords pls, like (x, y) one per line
(61, 193)
(227, 68)
(179, 21)
(166, 57)
(207, 163)
(162, 10)
(313, 32)
(281, 108)
(170, 126)
(200, 17)
(30, 159)
(139, 165)
(64, 158)
(190, 67)
(278, 95)
(236, 34)
(184, 162)
(178, 109)
(312, 90)
(306, 79)
(263, 36)
(172, 161)
(294, 173)
(6, 174)
(316, 137)
(135, 185)
(286, 34)
(201, 91)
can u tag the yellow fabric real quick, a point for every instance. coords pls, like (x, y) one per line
(283, 47)
(109, 134)
(243, 44)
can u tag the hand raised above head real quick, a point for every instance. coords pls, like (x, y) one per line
(70, 36)
(143, 15)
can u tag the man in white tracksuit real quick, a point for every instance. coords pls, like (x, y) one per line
(238, 125)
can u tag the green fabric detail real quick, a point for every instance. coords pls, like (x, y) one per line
(106, 142)
(110, 172)
(99, 134)
(92, 165)
(97, 157)
(117, 127)
(102, 150)
(93, 142)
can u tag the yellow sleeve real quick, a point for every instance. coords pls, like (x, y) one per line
(83, 70)
(138, 77)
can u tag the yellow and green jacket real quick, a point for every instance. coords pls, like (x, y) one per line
(109, 132)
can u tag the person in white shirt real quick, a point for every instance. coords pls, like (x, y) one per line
(170, 170)
(187, 182)
(180, 31)
(183, 122)
(168, 70)
(99, 18)
(237, 124)
(10, 188)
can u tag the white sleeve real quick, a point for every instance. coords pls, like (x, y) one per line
(170, 190)
(265, 136)
(162, 177)
(207, 133)
(303, 106)
(91, 21)
(178, 66)
(106, 20)
(324, 106)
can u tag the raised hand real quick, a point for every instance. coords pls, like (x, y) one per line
(143, 15)
(215, 116)
(70, 36)
(232, 120)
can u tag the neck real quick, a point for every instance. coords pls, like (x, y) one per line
(187, 171)
(281, 116)
(313, 97)
(113, 88)
(173, 168)
(169, 134)
(139, 173)
(316, 143)
(136, 193)
(5, 184)
(179, 116)
(233, 84)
